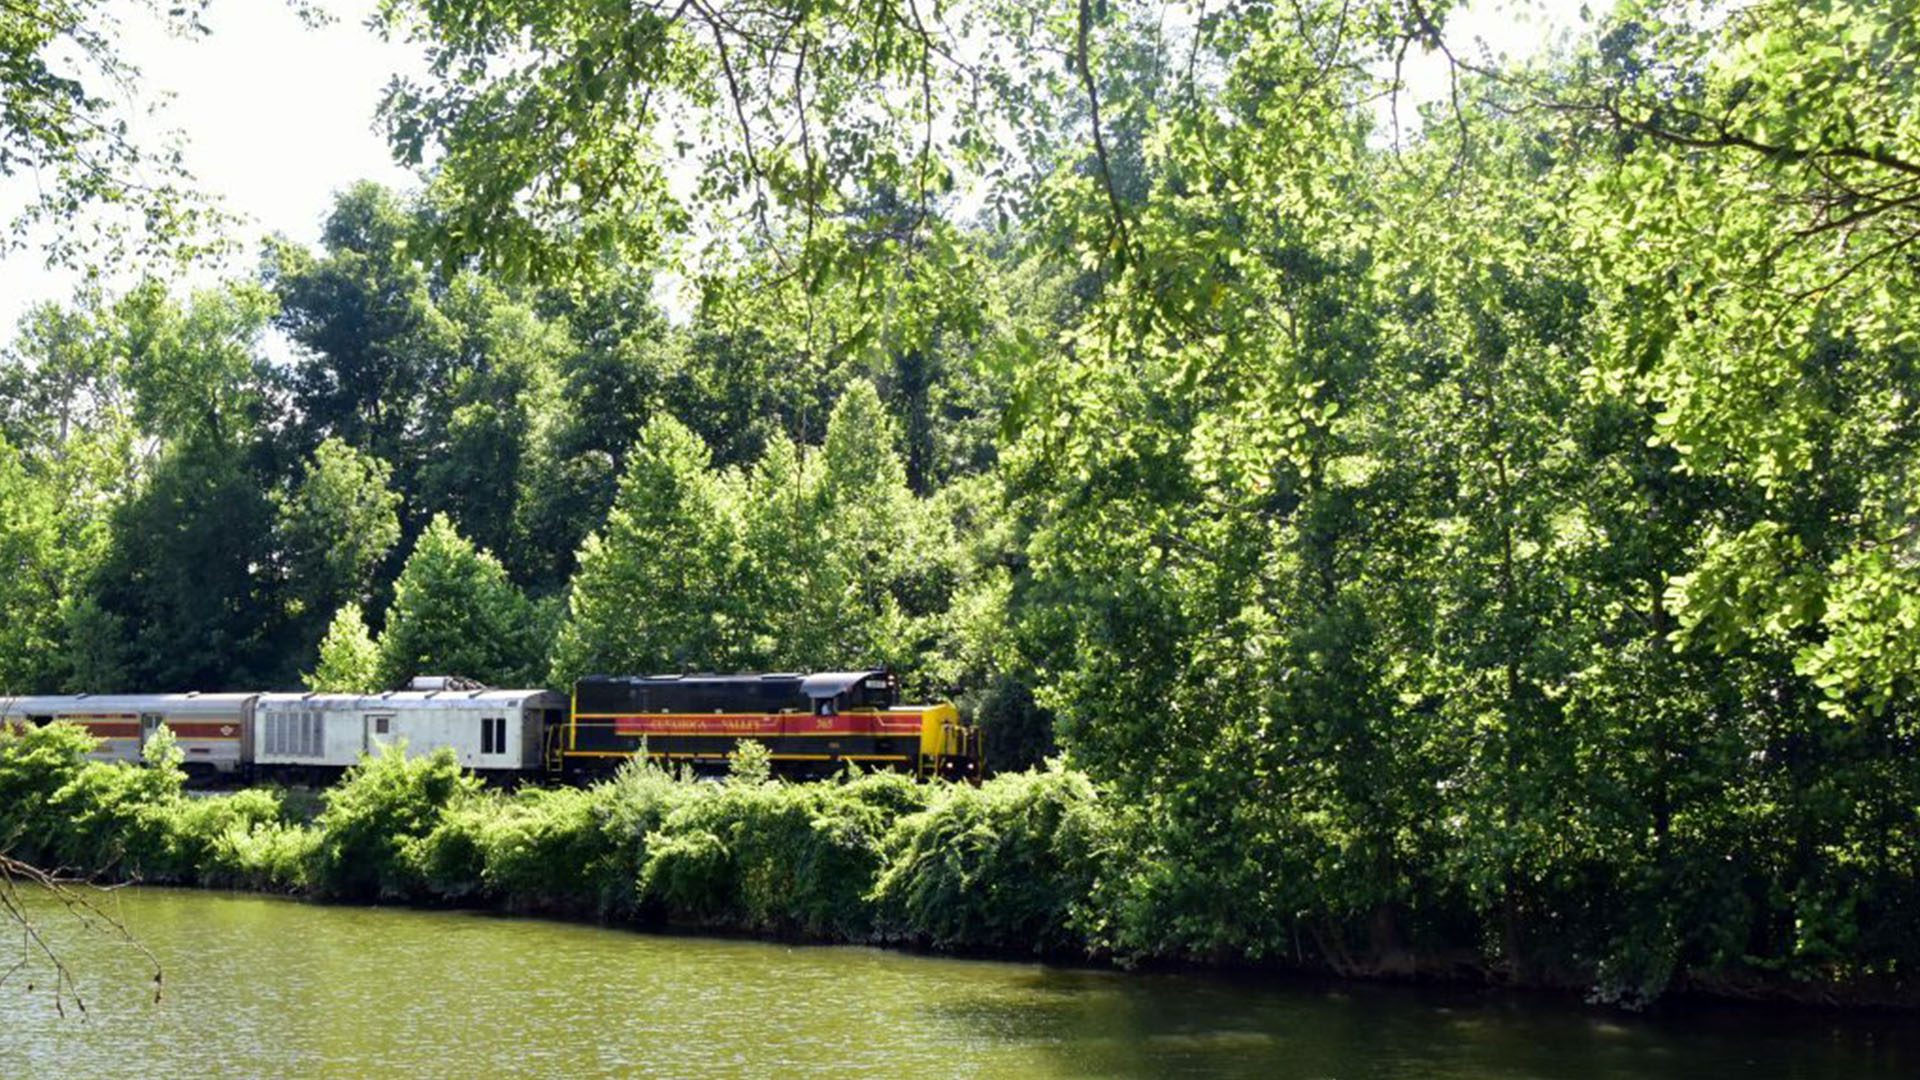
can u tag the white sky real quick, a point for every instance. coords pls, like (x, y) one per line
(279, 116)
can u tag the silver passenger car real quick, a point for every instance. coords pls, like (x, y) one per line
(214, 730)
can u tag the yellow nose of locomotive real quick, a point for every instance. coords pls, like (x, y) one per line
(947, 747)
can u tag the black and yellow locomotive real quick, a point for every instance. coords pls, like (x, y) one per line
(811, 724)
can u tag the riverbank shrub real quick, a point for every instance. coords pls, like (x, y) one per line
(627, 811)
(775, 857)
(267, 856)
(191, 830)
(36, 764)
(121, 822)
(540, 850)
(114, 820)
(529, 851)
(1008, 865)
(451, 858)
(573, 851)
(377, 819)
(107, 819)
(869, 856)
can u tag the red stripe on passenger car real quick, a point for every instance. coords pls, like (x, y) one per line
(207, 730)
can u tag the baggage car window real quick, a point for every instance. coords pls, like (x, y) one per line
(493, 735)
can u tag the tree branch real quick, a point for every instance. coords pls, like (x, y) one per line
(1118, 238)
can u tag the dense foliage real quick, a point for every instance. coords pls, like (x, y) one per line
(1472, 541)
(850, 860)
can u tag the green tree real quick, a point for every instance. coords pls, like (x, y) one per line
(509, 193)
(377, 353)
(32, 576)
(195, 366)
(335, 528)
(349, 659)
(183, 596)
(180, 600)
(620, 354)
(1777, 345)
(656, 589)
(833, 538)
(502, 398)
(456, 613)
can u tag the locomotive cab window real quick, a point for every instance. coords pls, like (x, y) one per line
(493, 735)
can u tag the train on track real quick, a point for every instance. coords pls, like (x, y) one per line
(811, 724)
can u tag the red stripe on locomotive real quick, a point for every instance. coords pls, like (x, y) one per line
(749, 725)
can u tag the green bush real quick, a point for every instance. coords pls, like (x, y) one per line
(1007, 865)
(541, 850)
(690, 872)
(894, 793)
(376, 820)
(189, 830)
(627, 810)
(779, 857)
(36, 763)
(809, 858)
(268, 857)
(452, 859)
(112, 819)
(106, 819)
(538, 850)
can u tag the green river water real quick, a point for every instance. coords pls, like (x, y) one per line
(265, 987)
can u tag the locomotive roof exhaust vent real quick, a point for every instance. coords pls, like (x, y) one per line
(445, 682)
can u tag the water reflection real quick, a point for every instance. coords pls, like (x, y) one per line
(274, 988)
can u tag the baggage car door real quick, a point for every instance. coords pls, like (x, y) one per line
(379, 731)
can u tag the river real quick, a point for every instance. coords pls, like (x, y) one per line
(258, 986)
